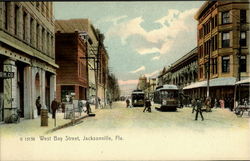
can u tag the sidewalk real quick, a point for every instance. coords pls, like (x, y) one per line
(33, 126)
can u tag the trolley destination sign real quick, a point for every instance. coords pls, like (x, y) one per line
(6, 75)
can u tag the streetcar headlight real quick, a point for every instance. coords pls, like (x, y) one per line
(164, 102)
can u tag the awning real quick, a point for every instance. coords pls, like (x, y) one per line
(227, 81)
(247, 80)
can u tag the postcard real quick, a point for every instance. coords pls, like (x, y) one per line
(124, 80)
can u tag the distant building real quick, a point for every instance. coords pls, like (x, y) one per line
(142, 83)
(27, 50)
(72, 76)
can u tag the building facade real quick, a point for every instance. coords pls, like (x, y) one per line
(183, 72)
(223, 46)
(97, 57)
(27, 50)
(72, 76)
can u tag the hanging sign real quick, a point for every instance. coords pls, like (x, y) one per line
(6, 75)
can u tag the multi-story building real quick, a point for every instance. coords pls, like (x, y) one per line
(142, 83)
(27, 50)
(182, 72)
(221, 58)
(97, 58)
(72, 76)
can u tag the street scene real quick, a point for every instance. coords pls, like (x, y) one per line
(124, 80)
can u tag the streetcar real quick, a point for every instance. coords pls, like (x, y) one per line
(138, 97)
(167, 96)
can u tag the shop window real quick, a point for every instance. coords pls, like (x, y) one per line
(66, 92)
(225, 64)
(243, 64)
(225, 40)
(225, 17)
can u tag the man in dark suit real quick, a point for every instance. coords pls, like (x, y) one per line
(198, 110)
(54, 106)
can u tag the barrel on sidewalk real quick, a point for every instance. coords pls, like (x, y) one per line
(44, 117)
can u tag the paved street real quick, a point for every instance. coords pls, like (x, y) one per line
(161, 135)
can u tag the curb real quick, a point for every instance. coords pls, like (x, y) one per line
(77, 121)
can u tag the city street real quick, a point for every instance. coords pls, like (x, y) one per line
(128, 133)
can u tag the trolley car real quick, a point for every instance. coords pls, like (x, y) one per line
(138, 97)
(167, 97)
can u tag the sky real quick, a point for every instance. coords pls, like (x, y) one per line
(141, 38)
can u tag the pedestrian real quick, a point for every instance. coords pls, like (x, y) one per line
(199, 110)
(54, 107)
(110, 103)
(208, 104)
(147, 105)
(193, 102)
(38, 105)
(88, 109)
(80, 106)
(63, 107)
(215, 103)
(128, 103)
(222, 103)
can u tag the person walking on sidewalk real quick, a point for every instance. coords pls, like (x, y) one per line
(198, 110)
(54, 106)
(147, 105)
(38, 105)
(88, 109)
(193, 102)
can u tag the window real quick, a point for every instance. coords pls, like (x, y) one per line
(225, 40)
(31, 30)
(243, 16)
(24, 25)
(201, 72)
(37, 36)
(243, 64)
(243, 39)
(214, 66)
(225, 64)
(16, 18)
(6, 15)
(206, 69)
(225, 17)
(201, 51)
(216, 42)
(215, 20)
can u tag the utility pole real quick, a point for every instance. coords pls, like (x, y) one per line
(239, 57)
(208, 63)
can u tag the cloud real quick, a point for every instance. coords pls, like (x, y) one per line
(156, 58)
(113, 19)
(142, 68)
(153, 74)
(159, 40)
(128, 82)
(143, 51)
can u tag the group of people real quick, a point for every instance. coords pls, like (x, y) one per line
(55, 105)
(147, 105)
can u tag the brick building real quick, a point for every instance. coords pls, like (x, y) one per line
(27, 50)
(72, 76)
(97, 62)
(221, 26)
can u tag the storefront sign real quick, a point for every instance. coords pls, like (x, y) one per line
(6, 75)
